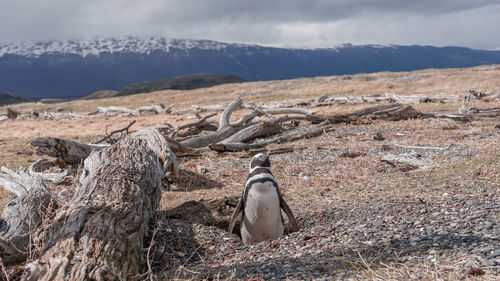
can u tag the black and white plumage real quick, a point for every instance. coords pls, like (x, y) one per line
(260, 204)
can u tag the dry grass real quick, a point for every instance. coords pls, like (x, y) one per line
(471, 165)
(433, 269)
(429, 82)
(336, 179)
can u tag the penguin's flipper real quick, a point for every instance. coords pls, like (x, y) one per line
(288, 212)
(236, 212)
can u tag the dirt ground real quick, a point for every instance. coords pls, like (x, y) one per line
(361, 218)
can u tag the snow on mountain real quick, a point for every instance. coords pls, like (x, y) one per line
(133, 45)
(69, 69)
(110, 45)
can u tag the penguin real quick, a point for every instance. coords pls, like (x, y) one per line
(464, 108)
(260, 204)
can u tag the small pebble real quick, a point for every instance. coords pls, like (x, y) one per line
(62, 193)
(378, 136)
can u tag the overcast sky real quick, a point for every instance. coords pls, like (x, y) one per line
(283, 23)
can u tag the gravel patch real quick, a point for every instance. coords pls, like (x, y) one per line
(342, 241)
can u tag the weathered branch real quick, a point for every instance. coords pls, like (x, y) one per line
(414, 147)
(193, 124)
(43, 164)
(177, 147)
(116, 132)
(21, 216)
(98, 234)
(156, 109)
(405, 162)
(285, 104)
(465, 117)
(392, 112)
(226, 114)
(120, 110)
(249, 116)
(113, 110)
(223, 139)
(37, 168)
(251, 132)
(66, 151)
(224, 130)
(259, 111)
(205, 140)
(296, 135)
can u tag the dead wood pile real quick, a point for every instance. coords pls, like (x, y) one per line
(98, 233)
(261, 126)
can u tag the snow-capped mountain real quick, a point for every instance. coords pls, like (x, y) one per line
(110, 45)
(70, 69)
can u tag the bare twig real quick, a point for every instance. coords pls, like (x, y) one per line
(148, 259)
(116, 131)
(4, 271)
(193, 124)
(182, 267)
(259, 110)
(366, 264)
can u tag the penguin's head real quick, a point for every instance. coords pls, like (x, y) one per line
(260, 160)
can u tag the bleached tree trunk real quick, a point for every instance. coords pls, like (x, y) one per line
(98, 234)
(67, 151)
(23, 215)
(224, 130)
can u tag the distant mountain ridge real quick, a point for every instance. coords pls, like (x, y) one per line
(6, 99)
(185, 82)
(110, 45)
(72, 69)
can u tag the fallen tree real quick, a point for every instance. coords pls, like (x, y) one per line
(124, 111)
(240, 134)
(224, 129)
(325, 100)
(22, 216)
(98, 234)
(66, 151)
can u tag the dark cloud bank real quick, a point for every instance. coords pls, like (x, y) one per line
(289, 23)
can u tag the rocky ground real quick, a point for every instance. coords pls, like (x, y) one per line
(361, 218)
(447, 237)
(363, 215)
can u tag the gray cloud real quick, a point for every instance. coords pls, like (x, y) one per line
(313, 23)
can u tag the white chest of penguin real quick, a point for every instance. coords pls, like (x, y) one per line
(262, 220)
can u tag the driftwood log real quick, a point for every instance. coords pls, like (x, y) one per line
(224, 130)
(313, 131)
(237, 135)
(391, 112)
(66, 151)
(12, 113)
(124, 111)
(325, 100)
(199, 123)
(98, 234)
(406, 162)
(237, 141)
(23, 215)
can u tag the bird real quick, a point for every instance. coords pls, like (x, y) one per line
(465, 104)
(260, 205)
